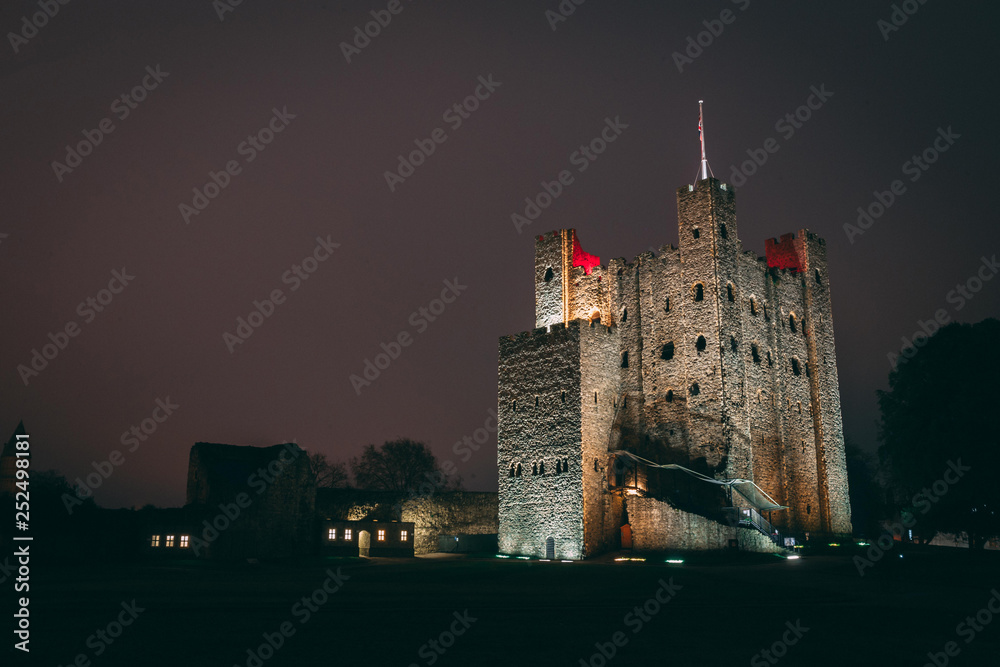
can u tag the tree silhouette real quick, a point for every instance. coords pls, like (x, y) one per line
(328, 475)
(939, 417)
(400, 466)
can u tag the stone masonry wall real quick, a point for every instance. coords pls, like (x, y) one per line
(452, 513)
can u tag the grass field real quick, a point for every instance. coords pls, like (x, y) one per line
(525, 612)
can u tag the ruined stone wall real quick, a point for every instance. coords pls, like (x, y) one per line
(599, 361)
(794, 405)
(825, 388)
(539, 423)
(452, 513)
(761, 375)
(657, 526)
(279, 519)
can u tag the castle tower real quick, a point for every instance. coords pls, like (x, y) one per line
(704, 355)
(710, 307)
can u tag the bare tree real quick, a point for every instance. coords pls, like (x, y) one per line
(400, 466)
(328, 475)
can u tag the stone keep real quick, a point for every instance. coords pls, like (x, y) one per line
(704, 355)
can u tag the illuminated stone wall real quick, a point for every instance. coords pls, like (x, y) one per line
(755, 399)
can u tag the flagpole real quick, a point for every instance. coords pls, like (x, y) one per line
(703, 172)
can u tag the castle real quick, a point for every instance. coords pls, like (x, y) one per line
(651, 390)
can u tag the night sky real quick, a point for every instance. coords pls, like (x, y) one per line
(220, 81)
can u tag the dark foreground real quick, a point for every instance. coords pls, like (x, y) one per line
(725, 612)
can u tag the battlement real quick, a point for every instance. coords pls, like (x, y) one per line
(787, 253)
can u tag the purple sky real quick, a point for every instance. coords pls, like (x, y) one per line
(323, 176)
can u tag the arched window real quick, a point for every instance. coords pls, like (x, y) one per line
(667, 309)
(564, 397)
(625, 359)
(808, 509)
(541, 468)
(548, 274)
(518, 473)
(696, 232)
(818, 281)
(700, 344)
(670, 396)
(534, 468)
(695, 389)
(565, 465)
(755, 353)
(699, 291)
(511, 471)
(667, 353)
(723, 232)
(624, 314)
(558, 467)
(770, 361)
(795, 366)
(730, 294)
(732, 343)
(791, 322)
(753, 306)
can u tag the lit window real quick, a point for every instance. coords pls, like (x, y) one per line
(381, 535)
(170, 541)
(403, 535)
(154, 541)
(347, 533)
(184, 541)
(331, 534)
